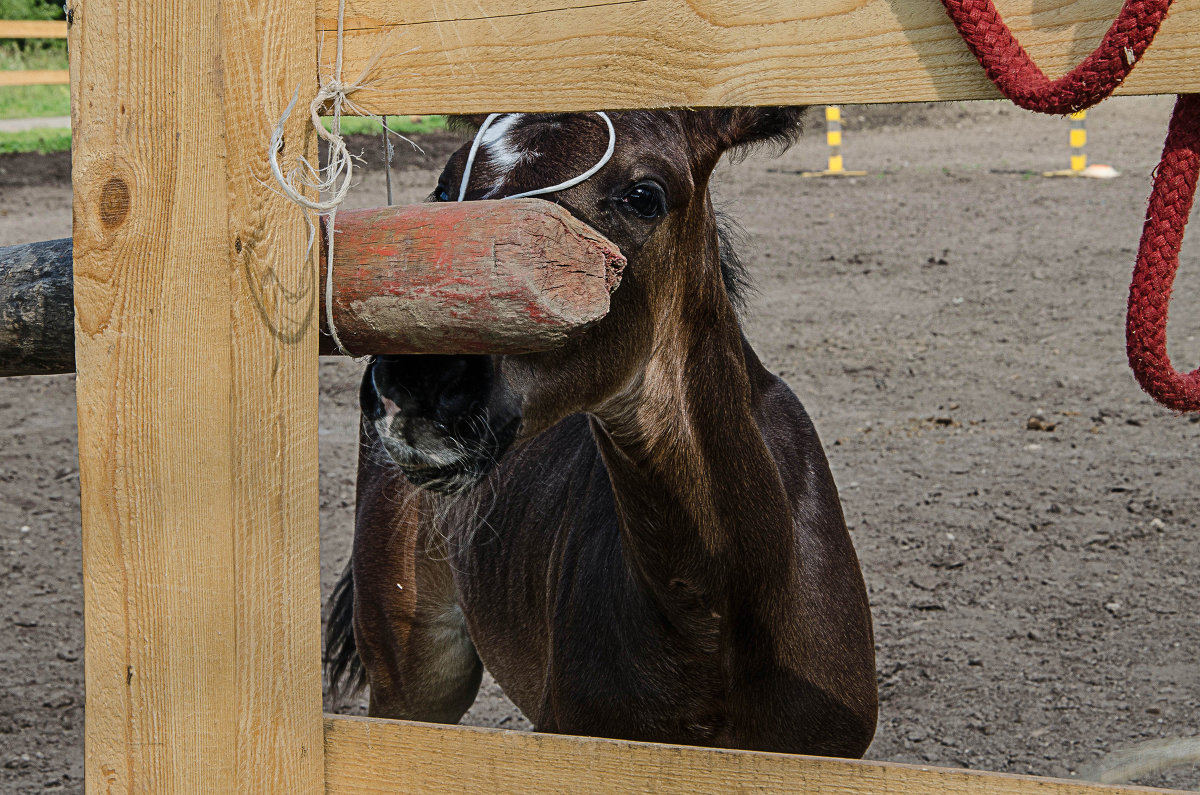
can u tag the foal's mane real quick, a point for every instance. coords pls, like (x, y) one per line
(738, 283)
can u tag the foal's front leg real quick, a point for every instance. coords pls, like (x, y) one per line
(409, 630)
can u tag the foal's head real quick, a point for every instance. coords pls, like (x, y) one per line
(445, 419)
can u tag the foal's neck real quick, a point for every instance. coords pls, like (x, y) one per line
(699, 498)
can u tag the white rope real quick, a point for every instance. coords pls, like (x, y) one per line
(335, 177)
(466, 178)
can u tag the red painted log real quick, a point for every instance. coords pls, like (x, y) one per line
(472, 277)
(478, 277)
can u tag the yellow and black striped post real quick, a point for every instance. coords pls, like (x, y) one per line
(1078, 141)
(833, 137)
(1079, 161)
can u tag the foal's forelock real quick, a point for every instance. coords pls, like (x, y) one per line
(504, 153)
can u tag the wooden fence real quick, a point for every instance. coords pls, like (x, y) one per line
(587, 54)
(196, 350)
(33, 29)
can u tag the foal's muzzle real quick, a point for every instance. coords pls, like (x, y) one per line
(442, 419)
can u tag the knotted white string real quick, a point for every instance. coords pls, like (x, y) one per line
(466, 178)
(335, 177)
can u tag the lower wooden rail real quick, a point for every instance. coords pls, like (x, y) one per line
(367, 755)
(34, 77)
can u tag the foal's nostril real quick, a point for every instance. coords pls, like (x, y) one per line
(433, 415)
(451, 405)
(442, 389)
(392, 390)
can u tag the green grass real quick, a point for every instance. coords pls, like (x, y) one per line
(31, 9)
(41, 141)
(31, 102)
(358, 125)
(33, 54)
(26, 102)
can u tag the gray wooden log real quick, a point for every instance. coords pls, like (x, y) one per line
(475, 277)
(37, 309)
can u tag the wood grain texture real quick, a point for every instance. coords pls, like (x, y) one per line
(364, 755)
(266, 59)
(468, 56)
(32, 29)
(196, 399)
(471, 277)
(35, 77)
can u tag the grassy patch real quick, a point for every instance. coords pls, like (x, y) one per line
(31, 9)
(25, 102)
(33, 54)
(405, 125)
(42, 141)
(31, 102)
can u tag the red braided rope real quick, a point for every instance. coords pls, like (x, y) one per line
(1158, 259)
(1019, 78)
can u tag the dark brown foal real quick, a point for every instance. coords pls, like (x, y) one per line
(638, 533)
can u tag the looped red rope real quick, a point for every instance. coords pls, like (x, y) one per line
(1158, 259)
(1019, 78)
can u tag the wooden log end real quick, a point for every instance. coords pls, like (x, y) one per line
(473, 277)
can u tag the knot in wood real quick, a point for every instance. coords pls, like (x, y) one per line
(114, 202)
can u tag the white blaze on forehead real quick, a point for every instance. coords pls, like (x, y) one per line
(501, 151)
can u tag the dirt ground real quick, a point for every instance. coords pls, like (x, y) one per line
(1034, 591)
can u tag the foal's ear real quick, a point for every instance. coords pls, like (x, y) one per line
(775, 128)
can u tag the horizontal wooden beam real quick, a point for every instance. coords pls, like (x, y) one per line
(34, 77)
(365, 755)
(475, 277)
(468, 56)
(470, 277)
(33, 29)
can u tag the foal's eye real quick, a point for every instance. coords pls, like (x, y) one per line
(646, 200)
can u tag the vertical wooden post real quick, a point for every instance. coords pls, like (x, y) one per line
(196, 350)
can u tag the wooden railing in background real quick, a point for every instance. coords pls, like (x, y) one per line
(33, 29)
